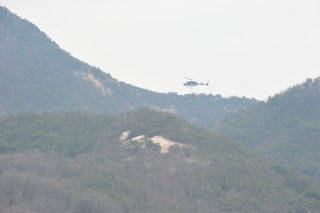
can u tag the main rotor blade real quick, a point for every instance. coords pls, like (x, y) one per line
(188, 78)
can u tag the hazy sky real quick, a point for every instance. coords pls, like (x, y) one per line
(252, 48)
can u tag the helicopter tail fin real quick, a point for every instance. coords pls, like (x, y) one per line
(208, 83)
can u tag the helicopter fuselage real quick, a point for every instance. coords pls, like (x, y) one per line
(190, 84)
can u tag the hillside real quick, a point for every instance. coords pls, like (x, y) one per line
(36, 74)
(284, 129)
(75, 162)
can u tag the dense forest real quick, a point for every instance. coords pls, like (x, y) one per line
(62, 120)
(37, 75)
(74, 162)
(284, 129)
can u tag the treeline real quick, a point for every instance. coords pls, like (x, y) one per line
(284, 129)
(67, 133)
(96, 173)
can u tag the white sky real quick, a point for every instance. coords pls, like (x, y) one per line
(251, 48)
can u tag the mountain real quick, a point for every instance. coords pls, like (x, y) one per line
(81, 154)
(83, 162)
(36, 74)
(284, 129)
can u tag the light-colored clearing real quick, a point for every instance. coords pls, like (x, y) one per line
(164, 143)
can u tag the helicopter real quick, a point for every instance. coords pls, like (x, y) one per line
(193, 83)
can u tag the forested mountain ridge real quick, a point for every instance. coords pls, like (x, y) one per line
(36, 74)
(284, 129)
(74, 162)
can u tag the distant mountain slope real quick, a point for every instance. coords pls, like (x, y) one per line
(74, 162)
(286, 128)
(36, 74)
